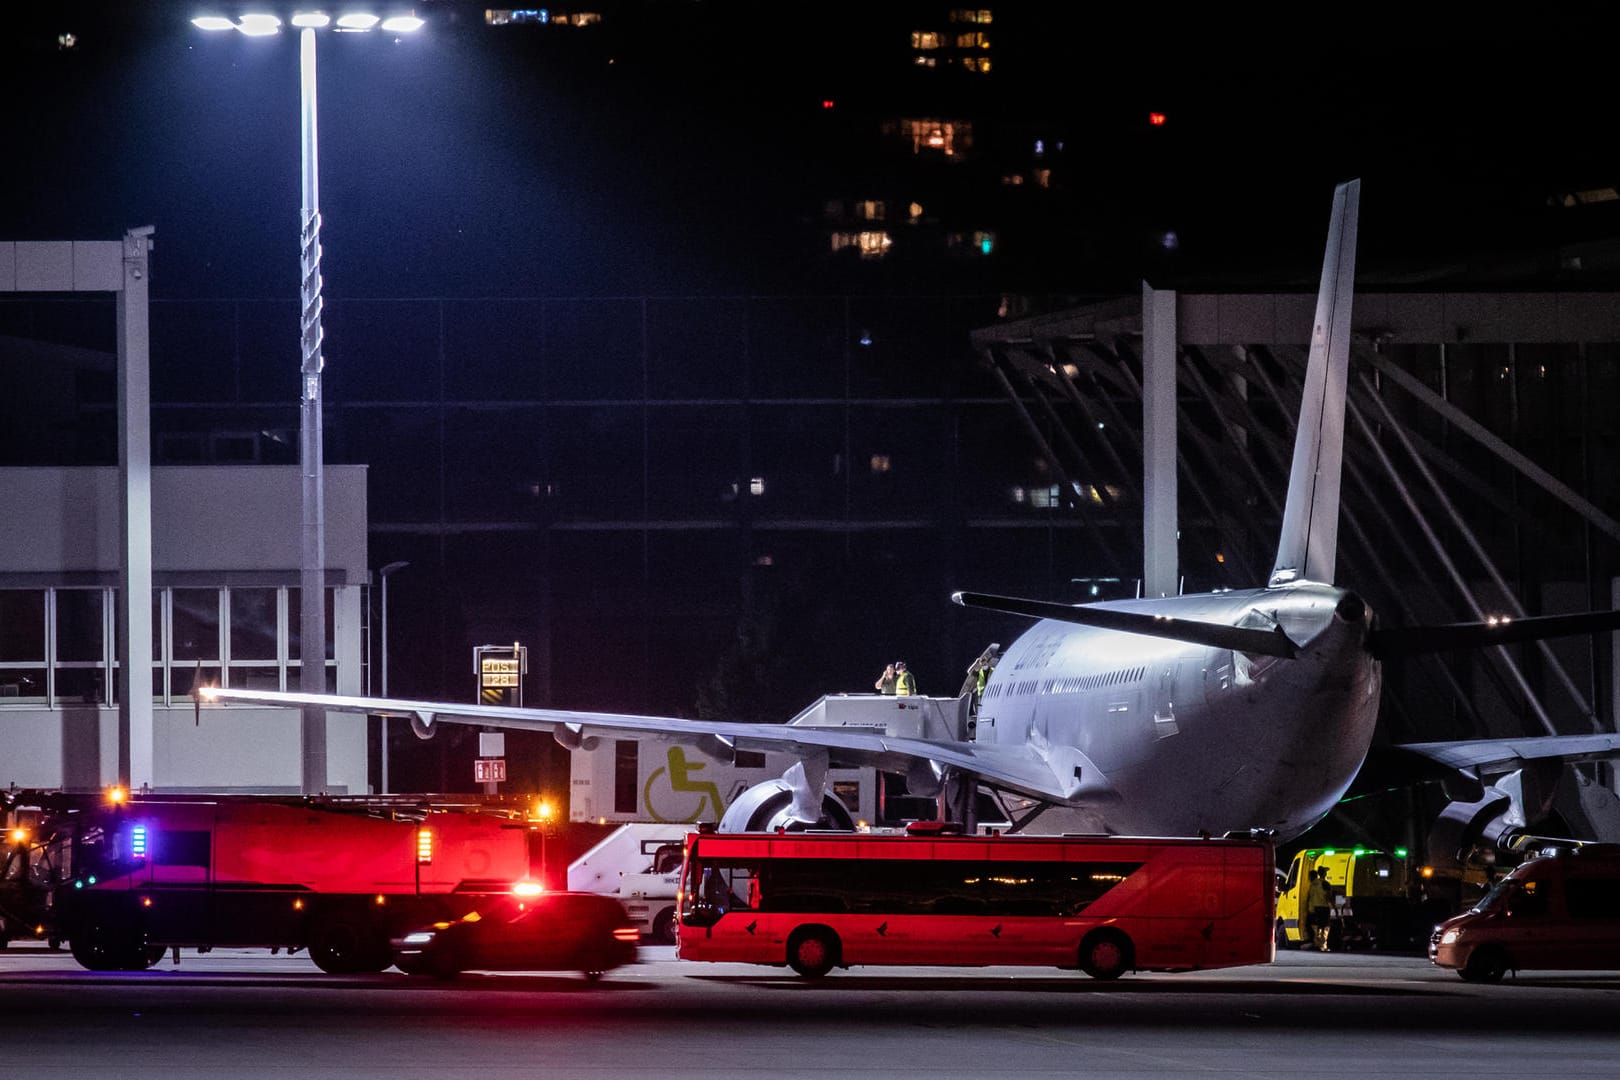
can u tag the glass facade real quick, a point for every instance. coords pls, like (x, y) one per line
(57, 645)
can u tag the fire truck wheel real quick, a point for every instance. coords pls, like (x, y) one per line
(89, 950)
(812, 951)
(663, 928)
(99, 949)
(344, 946)
(1105, 954)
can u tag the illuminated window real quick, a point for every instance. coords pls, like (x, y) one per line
(585, 18)
(1013, 180)
(980, 64)
(880, 463)
(869, 244)
(948, 137)
(925, 61)
(980, 242)
(971, 15)
(924, 39)
(756, 485)
(1044, 496)
(870, 210)
(973, 40)
(1043, 177)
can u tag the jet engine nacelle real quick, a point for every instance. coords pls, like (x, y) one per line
(768, 806)
(422, 725)
(1505, 809)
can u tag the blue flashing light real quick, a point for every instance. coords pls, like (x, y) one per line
(137, 841)
(92, 879)
(984, 245)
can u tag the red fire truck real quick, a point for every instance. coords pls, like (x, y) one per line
(125, 880)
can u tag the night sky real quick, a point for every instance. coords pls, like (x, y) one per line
(681, 148)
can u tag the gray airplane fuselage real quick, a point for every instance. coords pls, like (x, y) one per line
(1193, 738)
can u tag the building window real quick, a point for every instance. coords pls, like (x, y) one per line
(870, 210)
(22, 645)
(81, 659)
(951, 138)
(869, 244)
(255, 654)
(979, 242)
(973, 40)
(924, 39)
(980, 64)
(981, 16)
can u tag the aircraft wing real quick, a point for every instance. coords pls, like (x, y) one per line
(1504, 755)
(1056, 774)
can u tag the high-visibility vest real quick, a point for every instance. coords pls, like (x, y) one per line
(904, 684)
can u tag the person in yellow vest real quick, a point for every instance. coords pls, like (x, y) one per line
(905, 684)
(1319, 902)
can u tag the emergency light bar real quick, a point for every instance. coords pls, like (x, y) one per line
(424, 846)
(137, 841)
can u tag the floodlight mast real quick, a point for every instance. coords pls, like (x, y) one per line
(312, 575)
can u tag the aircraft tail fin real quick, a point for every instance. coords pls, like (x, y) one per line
(1310, 527)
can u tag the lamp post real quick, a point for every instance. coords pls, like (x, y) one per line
(384, 573)
(312, 577)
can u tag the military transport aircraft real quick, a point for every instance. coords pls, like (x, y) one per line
(1163, 716)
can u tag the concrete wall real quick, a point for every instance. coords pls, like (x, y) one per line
(211, 527)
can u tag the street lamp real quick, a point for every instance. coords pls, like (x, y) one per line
(312, 579)
(391, 568)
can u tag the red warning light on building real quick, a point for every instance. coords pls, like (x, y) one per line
(1156, 119)
(827, 103)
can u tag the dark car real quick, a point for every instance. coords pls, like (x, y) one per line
(542, 931)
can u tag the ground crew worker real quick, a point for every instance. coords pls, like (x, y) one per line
(886, 681)
(1319, 901)
(905, 684)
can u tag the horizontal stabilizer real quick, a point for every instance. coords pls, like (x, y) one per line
(1237, 638)
(1493, 756)
(1410, 640)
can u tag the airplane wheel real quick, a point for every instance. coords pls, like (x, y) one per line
(1105, 954)
(812, 951)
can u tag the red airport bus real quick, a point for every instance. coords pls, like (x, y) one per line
(152, 873)
(1104, 904)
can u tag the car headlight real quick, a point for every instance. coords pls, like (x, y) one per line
(1450, 937)
(421, 937)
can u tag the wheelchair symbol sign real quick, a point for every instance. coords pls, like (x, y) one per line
(661, 794)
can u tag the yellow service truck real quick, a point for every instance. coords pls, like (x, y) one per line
(1373, 898)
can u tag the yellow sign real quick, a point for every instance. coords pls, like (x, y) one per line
(495, 666)
(489, 679)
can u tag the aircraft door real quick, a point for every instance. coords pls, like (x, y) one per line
(1163, 689)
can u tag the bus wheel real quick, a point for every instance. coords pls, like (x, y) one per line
(1485, 965)
(1281, 935)
(663, 928)
(812, 951)
(1105, 954)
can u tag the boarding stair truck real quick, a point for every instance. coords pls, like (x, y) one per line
(640, 863)
(339, 877)
(1375, 898)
